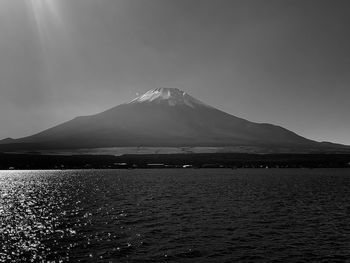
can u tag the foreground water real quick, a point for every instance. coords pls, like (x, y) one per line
(194, 215)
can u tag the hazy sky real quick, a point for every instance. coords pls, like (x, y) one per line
(281, 62)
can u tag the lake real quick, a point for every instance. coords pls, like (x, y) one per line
(179, 215)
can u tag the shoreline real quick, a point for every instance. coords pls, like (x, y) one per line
(171, 161)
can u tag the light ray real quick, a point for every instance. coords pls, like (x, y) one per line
(47, 17)
(54, 39)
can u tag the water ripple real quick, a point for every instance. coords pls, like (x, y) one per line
(175, 216)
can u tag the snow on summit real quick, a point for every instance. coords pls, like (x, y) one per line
(172, 96)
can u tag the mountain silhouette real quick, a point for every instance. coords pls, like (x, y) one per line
(166, 117)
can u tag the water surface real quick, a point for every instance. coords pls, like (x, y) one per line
(194, 215)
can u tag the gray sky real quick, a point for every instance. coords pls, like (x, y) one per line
(276, 61)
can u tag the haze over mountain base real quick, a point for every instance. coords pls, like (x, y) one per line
(119, 151)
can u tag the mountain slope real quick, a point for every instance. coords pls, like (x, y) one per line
(164, 117)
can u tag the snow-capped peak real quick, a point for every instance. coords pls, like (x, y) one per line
(172, 96)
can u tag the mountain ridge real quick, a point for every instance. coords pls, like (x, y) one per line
(166, 117)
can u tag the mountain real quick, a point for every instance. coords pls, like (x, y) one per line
(167, 117)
